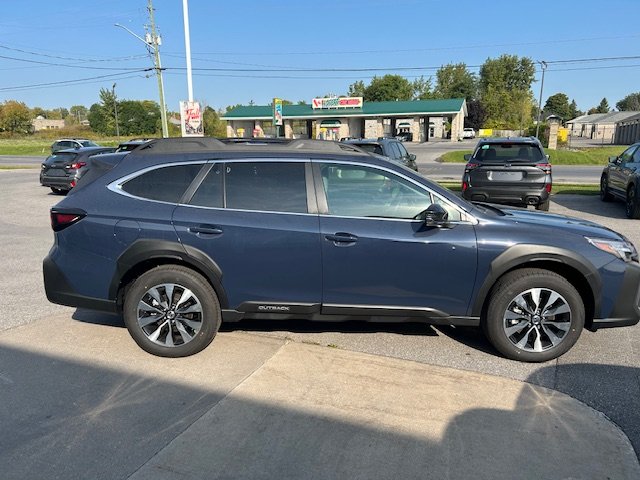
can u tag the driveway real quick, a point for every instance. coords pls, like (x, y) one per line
(602, 370)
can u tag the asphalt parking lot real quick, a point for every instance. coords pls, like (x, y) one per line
(602, 370)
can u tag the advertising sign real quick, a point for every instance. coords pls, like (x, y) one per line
(277, 111)
(344, 102)
(191, 119)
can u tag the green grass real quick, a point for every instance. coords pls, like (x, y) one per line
(558, 188)
(17, 167)
(586, 156)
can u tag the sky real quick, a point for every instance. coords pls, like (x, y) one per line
(59, 54)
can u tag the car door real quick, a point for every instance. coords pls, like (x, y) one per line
(632, 168)
(620, 170)
(377, 259)
(254, 219)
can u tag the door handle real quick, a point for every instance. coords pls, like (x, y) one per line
(205, 230)
(342, 238)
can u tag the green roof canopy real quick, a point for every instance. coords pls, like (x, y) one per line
(369, 109)
(330, 123)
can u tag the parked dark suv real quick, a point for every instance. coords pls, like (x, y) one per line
(62, 170)
(387, 147)
(513, 171)
(621, 179)
(181, 234)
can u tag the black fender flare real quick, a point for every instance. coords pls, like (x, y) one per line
(522, 254)
(146, 250)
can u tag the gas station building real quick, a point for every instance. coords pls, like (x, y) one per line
(351, 117)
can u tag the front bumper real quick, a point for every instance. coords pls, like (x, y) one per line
(626, 310)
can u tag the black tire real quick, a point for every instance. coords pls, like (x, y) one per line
(605, 194)
(177, 334)
(632, 203)
(543, 206)
(521, 285)
(58, 191)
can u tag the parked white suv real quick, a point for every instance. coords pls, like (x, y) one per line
(468, 133)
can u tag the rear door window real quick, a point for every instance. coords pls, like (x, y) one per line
(165, 184)
(266, 186)
(210, 193)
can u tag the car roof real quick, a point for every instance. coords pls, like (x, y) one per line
(73, 139)
(497, 140)
(372, 141)
(84, 150)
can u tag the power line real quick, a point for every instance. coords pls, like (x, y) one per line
(68, 82)
(83, 59)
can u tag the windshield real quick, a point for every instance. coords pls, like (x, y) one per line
(508, 152)
(370, 147)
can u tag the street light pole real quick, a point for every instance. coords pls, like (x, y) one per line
(543, 65)
(115, 109)
(187, 46)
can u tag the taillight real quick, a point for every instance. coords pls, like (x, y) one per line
(547, 187)
(61, 218)
(544, 166)
(471, 166)
(77, 165)
(464, 186)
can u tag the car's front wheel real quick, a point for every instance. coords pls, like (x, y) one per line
(632, 204)
(172, 311)
(605, 194)
(534, 315)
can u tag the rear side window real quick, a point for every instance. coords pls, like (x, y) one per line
(266, 186)
(508, 152)
(210, 192)
(371, 148)
(166, 184)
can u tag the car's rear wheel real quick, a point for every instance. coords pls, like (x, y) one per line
(544, 206)
(632, 203)
(605, 195)
(172, 311)
(534, 315)
(58, 191)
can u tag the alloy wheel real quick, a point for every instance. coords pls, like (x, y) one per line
(169, 314)
(537, 320)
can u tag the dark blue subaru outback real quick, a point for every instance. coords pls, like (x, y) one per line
(182, 234)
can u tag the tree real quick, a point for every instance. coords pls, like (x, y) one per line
(603, 107)
(357, 89)
(388, 88)
(629, 103)
(213, 126)
(77, 113)
(456, 81)
(574, 111)
(423, 89)
(476, 115)
(505, 91)
(558, 104)
(15, 117)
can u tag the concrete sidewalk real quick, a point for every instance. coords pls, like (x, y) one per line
(81, 400)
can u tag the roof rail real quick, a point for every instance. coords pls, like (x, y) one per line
(181, 145)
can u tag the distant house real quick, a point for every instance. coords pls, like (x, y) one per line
(598, 126)
(41, 123)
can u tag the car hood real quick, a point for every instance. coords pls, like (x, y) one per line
(553, 222)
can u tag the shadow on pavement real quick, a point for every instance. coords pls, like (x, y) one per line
(590, 204)
(72, 420)
(611, 389)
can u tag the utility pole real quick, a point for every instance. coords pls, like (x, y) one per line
(155, 44)
(543, 65)
(115, 109)
(152, 42)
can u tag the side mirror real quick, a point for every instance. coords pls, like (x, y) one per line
(467, 156)
(613, 159)
(412, 156)
(434, 216)
(547, 157)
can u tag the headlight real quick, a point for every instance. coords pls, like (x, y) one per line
(621, 249)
